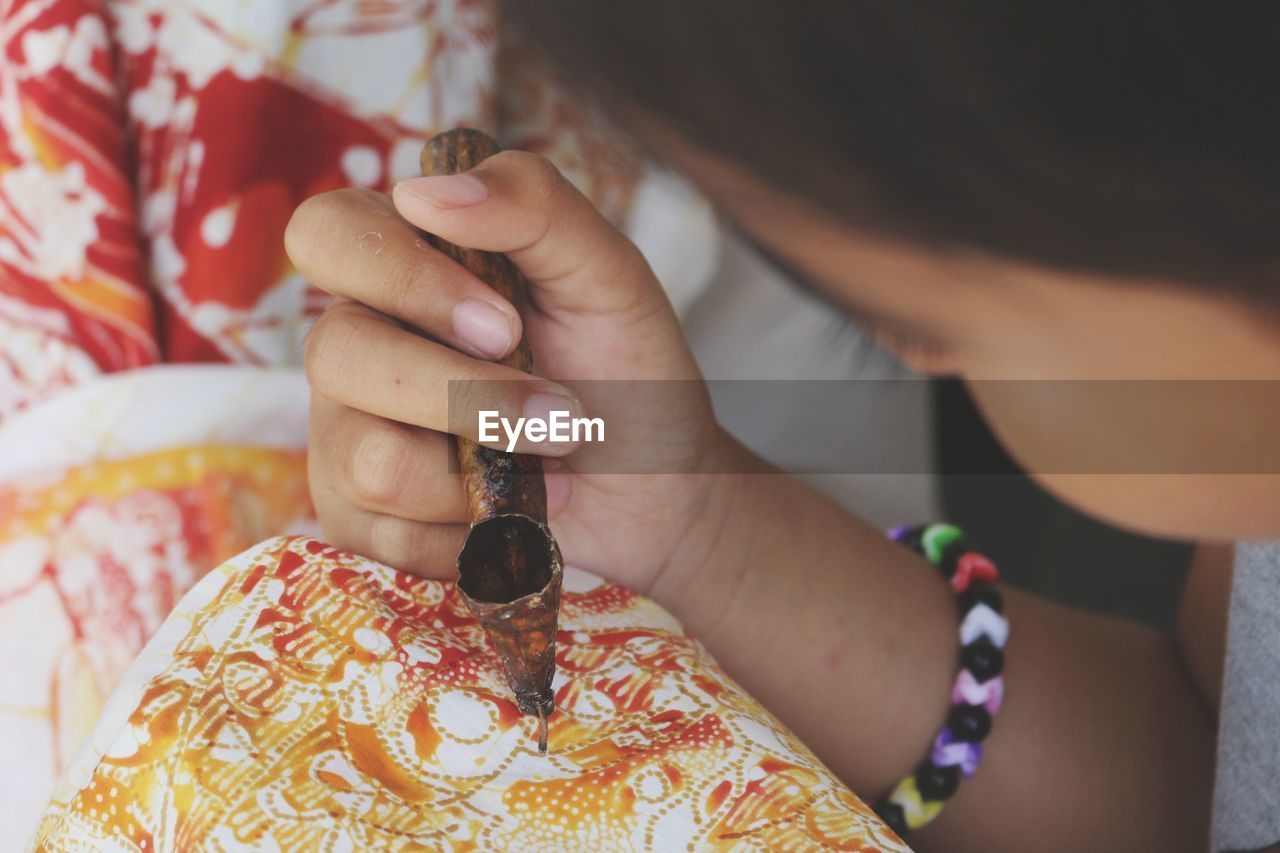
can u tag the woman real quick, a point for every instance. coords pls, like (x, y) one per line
(1017, 194)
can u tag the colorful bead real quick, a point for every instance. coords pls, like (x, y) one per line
(969, 691)
(936, 537)
(980, 593)
(970, 567)
(915, 809)
(949, 752)
(982, 621)
(937, 783)
(892, 815)
(909, 537)
(949, 560)
(982, 658)
(900, 532)
(971, 723)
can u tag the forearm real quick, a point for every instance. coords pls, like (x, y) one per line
(846, 636)
(851, 640)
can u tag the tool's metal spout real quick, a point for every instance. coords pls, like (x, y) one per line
(509, 574)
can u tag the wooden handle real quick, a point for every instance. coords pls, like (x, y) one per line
(496, 483)
(457, 151)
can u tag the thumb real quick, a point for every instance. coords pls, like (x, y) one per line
(612, 318)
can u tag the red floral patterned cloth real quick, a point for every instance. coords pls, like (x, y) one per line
(153, 151)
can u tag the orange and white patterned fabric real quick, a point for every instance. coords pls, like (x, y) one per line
(115, 498)
(304, 698)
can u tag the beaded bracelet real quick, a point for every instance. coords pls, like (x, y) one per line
(979, 686)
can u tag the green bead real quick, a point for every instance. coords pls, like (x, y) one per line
(936, 539)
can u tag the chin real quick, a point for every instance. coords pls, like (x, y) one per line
(1200, 507)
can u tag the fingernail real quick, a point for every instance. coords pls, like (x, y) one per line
(559, 486)
(447, 190)
(484, 327)
(541, 405)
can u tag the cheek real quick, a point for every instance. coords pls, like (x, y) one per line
(1148, 456)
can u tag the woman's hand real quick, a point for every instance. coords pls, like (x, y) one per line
(406, 320)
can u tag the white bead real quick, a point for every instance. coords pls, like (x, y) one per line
(982, 620)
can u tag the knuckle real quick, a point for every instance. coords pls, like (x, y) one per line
(470, 394)
(475, 385)
(393, 540)
(326, 347)
(538, 174)
(404, 289)
(538, 190)
(315, 223)
(332, 524)
(378, 464)
(318, 428)
(335, 516)
(302, 236)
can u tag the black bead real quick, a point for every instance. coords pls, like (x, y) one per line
(969, 723)
(983, 659)
(950, 555)
(913, 539)
(981, 593)
(892, 815)
(937, 783)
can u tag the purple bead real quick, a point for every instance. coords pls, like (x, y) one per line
(947, 751)
(899, 533)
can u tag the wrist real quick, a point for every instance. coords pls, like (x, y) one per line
(709, 561)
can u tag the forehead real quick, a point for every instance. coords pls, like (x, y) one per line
(863, 271)
(1005, 317)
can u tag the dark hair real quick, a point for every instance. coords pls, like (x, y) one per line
(1129, 137)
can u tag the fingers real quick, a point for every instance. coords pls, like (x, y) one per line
(362, 359)
(419, 548)
(352, 243)
(383, 490)
(518, 203)
(383, 466)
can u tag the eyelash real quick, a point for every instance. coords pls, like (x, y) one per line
(873, 341)
(914, 350)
